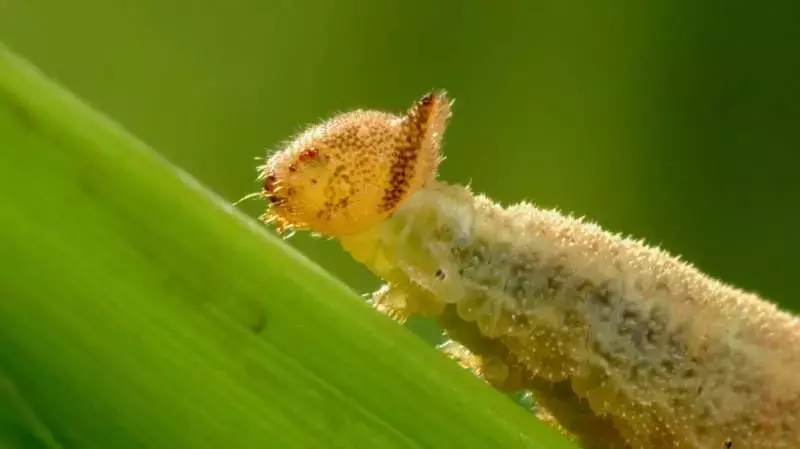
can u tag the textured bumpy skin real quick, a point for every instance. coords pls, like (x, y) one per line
(623, 345)
(615, 339)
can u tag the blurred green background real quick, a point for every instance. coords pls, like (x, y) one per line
(674, 121)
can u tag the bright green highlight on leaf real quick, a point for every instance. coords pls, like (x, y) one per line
(138, 310)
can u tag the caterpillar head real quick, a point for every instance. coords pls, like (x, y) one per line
(353, 171)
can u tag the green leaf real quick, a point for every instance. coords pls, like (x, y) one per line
(139, 310)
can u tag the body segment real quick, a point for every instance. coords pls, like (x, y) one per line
(604, 330)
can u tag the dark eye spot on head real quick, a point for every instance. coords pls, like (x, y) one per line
(269, 183)
(439, 274)
(728, 444)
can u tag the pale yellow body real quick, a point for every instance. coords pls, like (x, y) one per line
(623, 345)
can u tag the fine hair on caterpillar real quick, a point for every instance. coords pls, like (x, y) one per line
(349, 173)
(623, 345)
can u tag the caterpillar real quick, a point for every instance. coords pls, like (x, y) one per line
(623, 345)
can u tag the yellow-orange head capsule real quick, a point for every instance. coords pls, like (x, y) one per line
(351, 172)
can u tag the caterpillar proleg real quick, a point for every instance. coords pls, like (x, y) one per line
(623, 345)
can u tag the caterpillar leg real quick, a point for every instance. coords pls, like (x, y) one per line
(509, 379)
(391, 302)
(486, 358)
(401, 301)
(493, 371)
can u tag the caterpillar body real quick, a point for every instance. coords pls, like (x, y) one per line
(623, 345)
